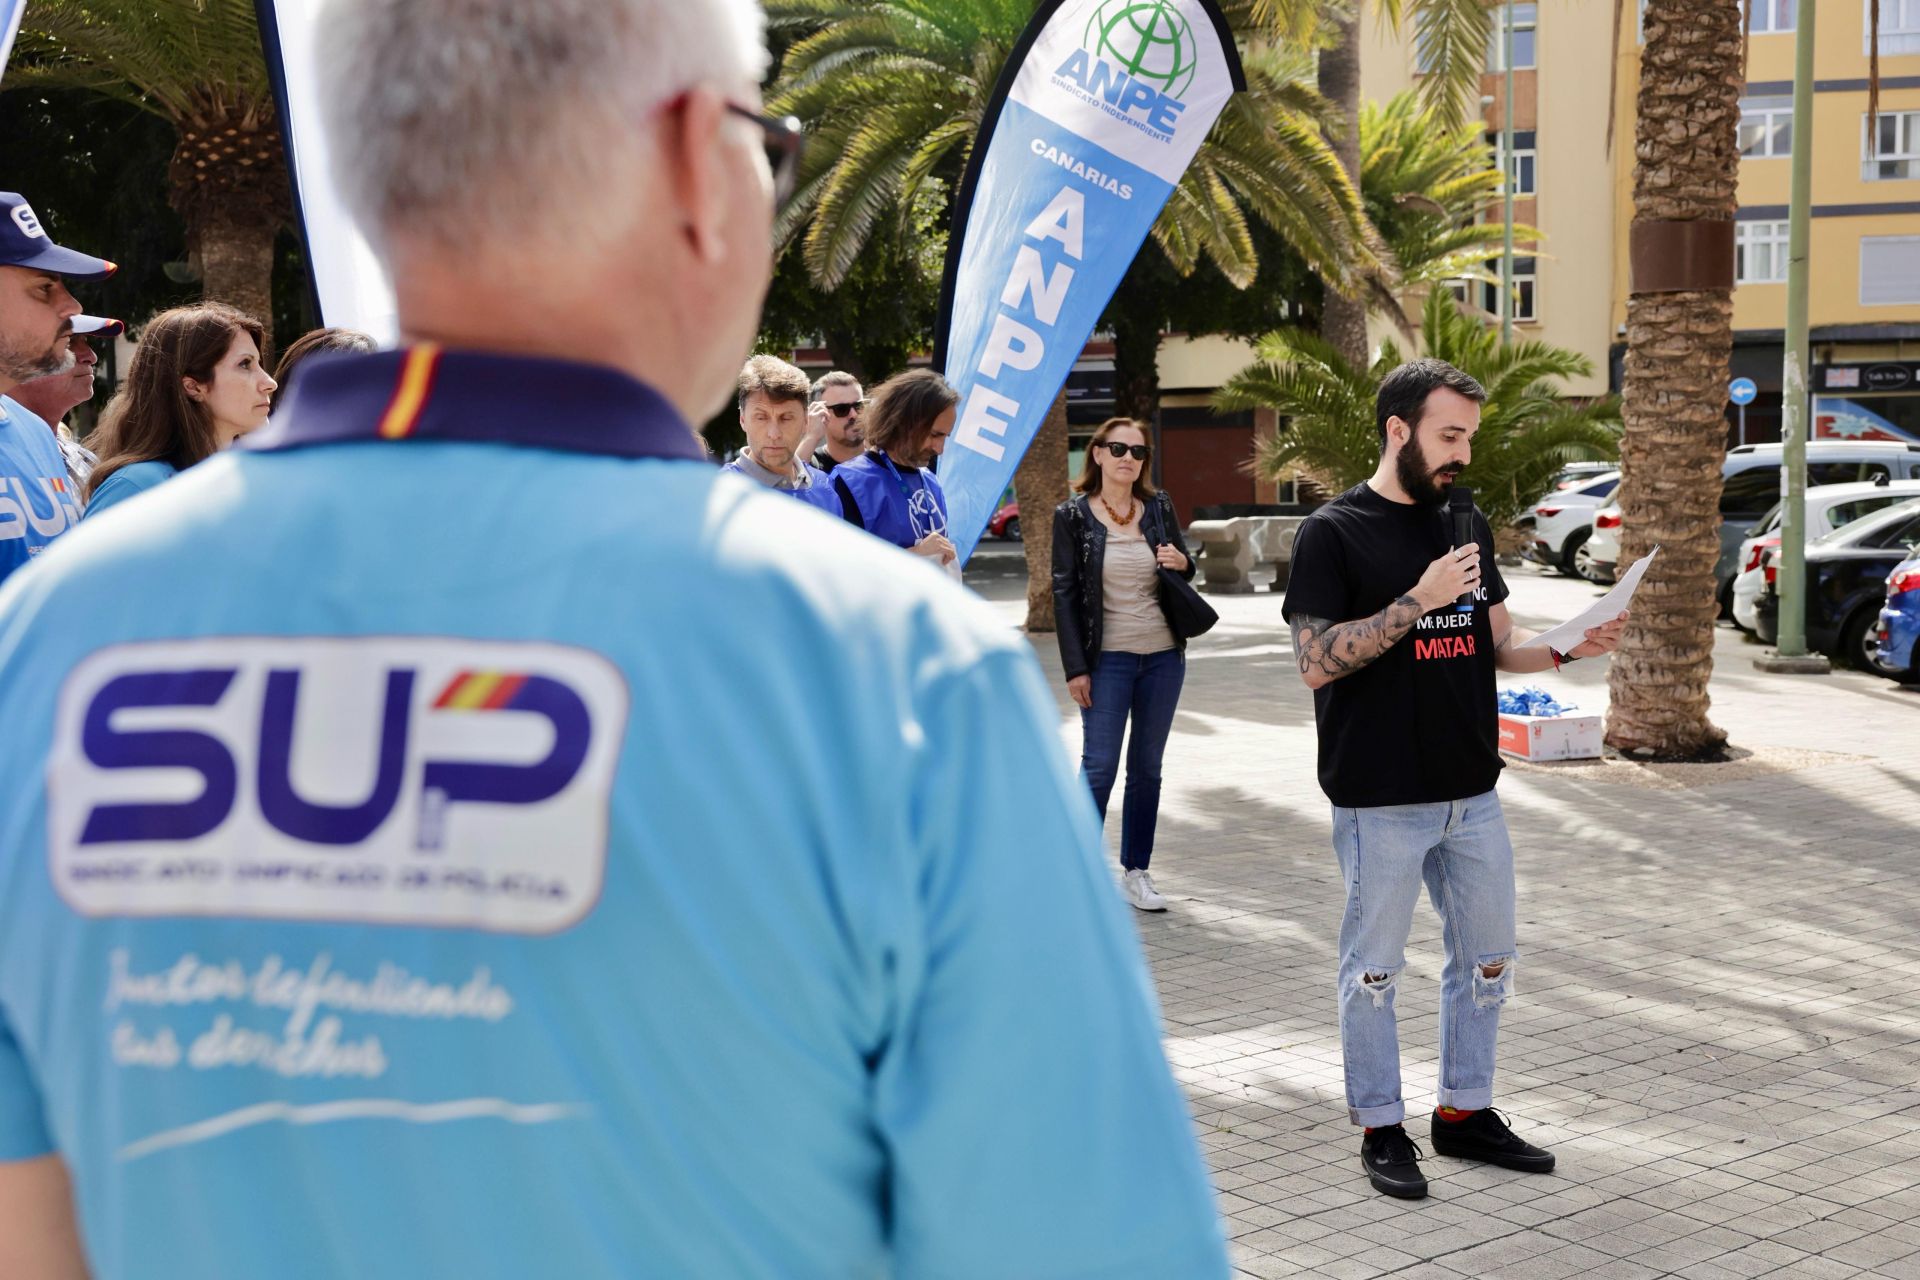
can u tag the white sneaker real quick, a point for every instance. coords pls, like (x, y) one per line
(1141, 895)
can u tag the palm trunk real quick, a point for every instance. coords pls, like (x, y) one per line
(1343, 320)
(228, 180)
(1041, 485)
(236, 261)
(1679, 341)
(1136, 368)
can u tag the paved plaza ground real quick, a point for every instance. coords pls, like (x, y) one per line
(1716, 1024)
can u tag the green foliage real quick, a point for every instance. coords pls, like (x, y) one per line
(96, 172)
(172, 58)
(1424, 183)
(1527, 432)
(893, 93)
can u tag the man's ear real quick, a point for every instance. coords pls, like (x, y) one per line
(698, 163)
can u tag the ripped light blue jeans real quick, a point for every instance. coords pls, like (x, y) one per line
(1461, 851)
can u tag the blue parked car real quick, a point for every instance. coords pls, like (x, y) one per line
(1898, 627)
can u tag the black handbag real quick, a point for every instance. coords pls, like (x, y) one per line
(1187, 614)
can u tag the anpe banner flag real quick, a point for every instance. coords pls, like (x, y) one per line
(1100, 110)
(349, 286)
(10, 11)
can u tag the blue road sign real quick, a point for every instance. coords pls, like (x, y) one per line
(1742, 391)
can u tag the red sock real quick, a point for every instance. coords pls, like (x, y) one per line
(1451, 1115)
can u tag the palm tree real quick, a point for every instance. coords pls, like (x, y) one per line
(1527, 431)
(1679, 341)
(1452, 37)
(199, 66)
(1424, 183)
(894, 93)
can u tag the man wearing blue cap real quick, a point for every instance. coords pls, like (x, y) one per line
(52, 396)
(38, 500)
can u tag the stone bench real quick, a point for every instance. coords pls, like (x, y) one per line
(1238, 556)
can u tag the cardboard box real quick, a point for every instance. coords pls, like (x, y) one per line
(1570, 737)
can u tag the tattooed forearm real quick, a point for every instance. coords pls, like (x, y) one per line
(1327, 650)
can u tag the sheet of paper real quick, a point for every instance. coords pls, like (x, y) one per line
(1573, 631)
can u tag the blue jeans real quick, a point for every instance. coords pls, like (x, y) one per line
(1145, 686)
(1460, 849)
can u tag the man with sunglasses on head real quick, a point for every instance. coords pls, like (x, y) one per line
(416, 810)
(838, 406)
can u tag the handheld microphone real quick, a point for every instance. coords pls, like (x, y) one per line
(1460, 510)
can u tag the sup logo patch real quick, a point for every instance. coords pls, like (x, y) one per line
(389, 780)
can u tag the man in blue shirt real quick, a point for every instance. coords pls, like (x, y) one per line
(52, 396)
(772, 395)
(416, 857)
(38, 502)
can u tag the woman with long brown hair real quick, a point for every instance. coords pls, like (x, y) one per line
(195, 385)
(1121, 658)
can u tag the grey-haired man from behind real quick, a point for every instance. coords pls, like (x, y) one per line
(417, 857)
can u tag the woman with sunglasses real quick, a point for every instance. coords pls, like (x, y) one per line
(1122, 661)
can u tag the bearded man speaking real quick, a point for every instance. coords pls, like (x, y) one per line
(1398, 633)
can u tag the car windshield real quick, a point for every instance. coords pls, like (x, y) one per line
(1867, 527)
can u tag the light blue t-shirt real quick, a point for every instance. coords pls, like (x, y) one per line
(37, 502)
(412, 864)
(129, 481)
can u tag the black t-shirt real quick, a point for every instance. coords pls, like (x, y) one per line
(1419, 723)
(824, 460)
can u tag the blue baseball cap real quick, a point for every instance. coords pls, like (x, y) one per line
(97, 327)
(24, 243)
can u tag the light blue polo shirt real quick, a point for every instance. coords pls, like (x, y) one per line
(418, 859)
(129, 481)
(37, 502)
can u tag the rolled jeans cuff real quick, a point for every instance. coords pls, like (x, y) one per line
(1466, 1099)
(1378, 1117)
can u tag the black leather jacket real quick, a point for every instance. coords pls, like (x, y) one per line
(1079, 551)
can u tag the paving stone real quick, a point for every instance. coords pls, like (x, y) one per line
(1716, 1020)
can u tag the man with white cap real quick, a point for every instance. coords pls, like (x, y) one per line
(52, 396)
(38, 500)
(417, 857)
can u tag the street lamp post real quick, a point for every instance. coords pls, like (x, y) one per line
(1506, 176)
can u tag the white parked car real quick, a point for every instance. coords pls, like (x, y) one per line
(1829, 507)
(1562, 521)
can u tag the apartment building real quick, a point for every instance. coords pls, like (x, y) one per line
(1574, 180)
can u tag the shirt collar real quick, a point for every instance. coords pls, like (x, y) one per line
(795, 479)
(427, 392)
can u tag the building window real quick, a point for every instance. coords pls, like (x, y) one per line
(1899, 27)
(1759, 252)
(1766, 127)
(1521, 298)
(1525, 18)
(1521, 161)
(1889, 270)
(1894, 149)
(1770, 17)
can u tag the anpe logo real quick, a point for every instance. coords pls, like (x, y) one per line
(1150, 39)
(29, 225)
(1137, 58)
(395, 780)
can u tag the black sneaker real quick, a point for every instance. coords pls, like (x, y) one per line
(1392, 1161)
(1484, 1135)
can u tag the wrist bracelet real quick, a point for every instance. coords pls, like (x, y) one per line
(1560, 659)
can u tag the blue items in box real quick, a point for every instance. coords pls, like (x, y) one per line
(1532, 701)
